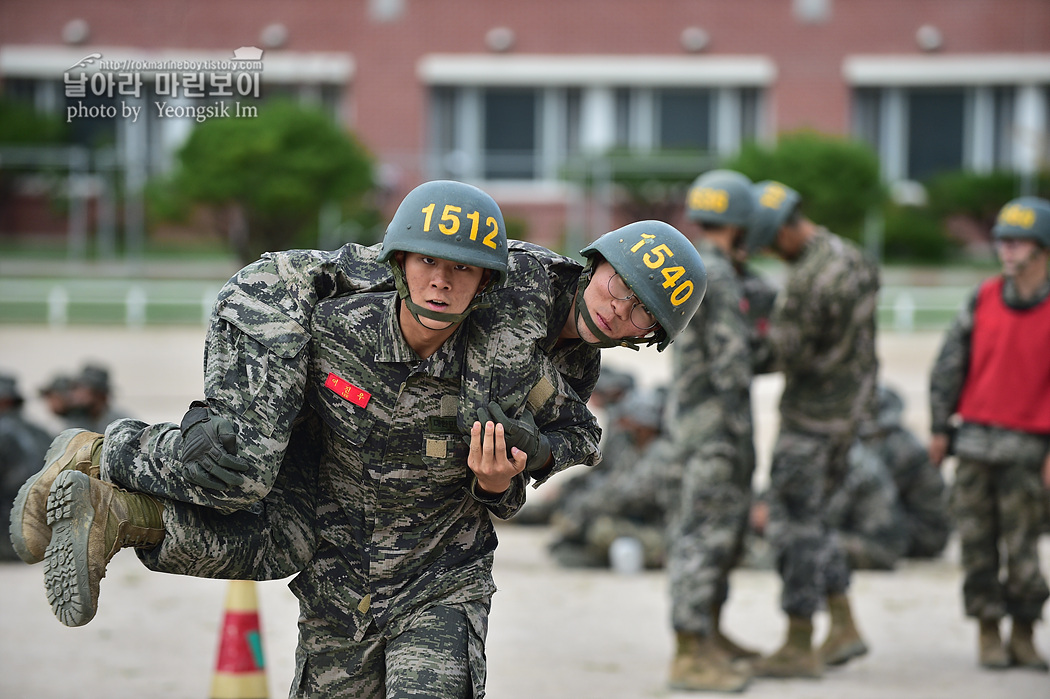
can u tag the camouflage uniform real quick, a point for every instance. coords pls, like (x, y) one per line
(619, 497)
(272, 538)
(398, 532)
(823, 338)
(921, 489)
(997, 495)
(22, 448)
(865, 513)
(710, 421)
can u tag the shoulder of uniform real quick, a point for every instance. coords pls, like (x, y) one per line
(530, 264)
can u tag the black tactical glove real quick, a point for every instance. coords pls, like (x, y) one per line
(522, 434)
(209, 448)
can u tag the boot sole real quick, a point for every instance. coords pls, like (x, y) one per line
(847, 653)
(684, 686)
(70, 514)
(17, 527)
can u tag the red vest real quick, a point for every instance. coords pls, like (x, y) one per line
(1008, 384)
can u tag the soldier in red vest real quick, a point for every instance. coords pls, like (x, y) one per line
(992, 380)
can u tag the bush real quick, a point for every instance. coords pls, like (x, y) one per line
(976, 196)
(837, 178)
(914, 234)
(278, 169)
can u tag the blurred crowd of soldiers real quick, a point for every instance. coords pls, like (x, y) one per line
(82, 399)
(851, 487)
(893, 503)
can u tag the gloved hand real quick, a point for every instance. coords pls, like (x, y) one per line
(209, 448)
(522, 434)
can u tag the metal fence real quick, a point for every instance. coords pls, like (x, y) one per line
(136, 303)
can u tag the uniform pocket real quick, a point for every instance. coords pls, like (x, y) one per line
(255, 362)
(445, 461)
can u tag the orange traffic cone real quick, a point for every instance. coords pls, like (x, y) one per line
(240, 670)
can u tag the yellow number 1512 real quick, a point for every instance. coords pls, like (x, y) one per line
(450, 223)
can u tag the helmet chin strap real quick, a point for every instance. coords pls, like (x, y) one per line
(580, 311)
(416, 310)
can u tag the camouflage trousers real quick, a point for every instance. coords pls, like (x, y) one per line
(1000, 505)
(273, 539)
(806, 468)
(436, 652)
(707, 525)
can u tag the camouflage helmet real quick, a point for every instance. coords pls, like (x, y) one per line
(451, 221)
(721, 197)
(661, 267)
(1025, 217)
(774, 203)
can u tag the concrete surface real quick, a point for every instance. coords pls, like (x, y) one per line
(554, 633)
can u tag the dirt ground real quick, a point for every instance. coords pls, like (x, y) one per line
(554, 633)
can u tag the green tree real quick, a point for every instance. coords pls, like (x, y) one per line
(837, 178)
(273, 172)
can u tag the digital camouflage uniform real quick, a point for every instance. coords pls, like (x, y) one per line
(997, 495)
(865, 513)
(921, 489)
(22, 448)
(822, 333)
(398, 532)
(621, 496)
(509, 346)
(710, 422)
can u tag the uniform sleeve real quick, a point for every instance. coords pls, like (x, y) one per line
(564, 418)
(712, 364)
(949, 369)
(506, 504)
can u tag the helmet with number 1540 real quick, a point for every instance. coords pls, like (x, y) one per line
(661, 267)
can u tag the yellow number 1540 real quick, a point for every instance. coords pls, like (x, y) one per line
(655, 259)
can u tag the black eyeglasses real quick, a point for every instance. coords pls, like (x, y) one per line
(640, 315)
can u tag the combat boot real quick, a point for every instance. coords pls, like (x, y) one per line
(91, 521)
(992, 653)
(30, 533)
(700, 665)
(843, 642)
(734, 650)
(796, 658)
(1022, 651)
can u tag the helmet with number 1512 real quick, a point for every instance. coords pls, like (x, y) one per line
(452, 221)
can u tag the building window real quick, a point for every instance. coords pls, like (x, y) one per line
(532, 133)
(685, 119)
(510, 138)
(936, 134)
(919, 132)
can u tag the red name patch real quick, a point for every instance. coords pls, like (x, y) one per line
(347, 391)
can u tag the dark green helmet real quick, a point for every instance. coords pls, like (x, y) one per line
(661, 267)
(452, 221)
(1026, 217)
(721, 197)
(774, 203)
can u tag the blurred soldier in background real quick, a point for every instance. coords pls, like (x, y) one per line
(612, 387)
(865, 513)
(993, 372)
(22, 448)
(822, 336)
(710, 422)
(921, 490)
(619, 496)
(57, 396)
(90, 398)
